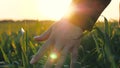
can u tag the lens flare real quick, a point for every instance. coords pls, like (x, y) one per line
(53, 56)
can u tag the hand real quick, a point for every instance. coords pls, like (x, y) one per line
(64, 38)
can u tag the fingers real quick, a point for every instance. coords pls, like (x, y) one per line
(64, 52)
(62, 58)
(44, 36)
(48, 44)
(53, 57)
(74, 56)
(49, 64)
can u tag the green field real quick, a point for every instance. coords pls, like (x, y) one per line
(100, 47)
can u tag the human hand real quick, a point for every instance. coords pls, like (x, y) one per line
(64, 38)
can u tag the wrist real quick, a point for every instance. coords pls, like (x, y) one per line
(76, 23)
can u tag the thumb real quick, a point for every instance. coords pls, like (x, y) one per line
(43, 36)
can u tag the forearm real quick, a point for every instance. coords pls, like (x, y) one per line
(86, 12)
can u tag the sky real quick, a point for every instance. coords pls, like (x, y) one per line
(31, 9)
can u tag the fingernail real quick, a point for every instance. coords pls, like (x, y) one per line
(35, 37)
(32, 61)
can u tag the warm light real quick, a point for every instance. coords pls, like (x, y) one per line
(54, 9)
(53, 56)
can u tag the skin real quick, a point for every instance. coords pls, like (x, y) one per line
(64, 36)
(63, 42)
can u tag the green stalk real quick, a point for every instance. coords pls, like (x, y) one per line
(108, 53)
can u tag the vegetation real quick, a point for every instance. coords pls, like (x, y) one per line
(100, 48)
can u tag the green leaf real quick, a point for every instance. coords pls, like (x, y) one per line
(4, 55)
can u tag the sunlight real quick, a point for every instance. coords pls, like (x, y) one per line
(54, 9)
(53, 56)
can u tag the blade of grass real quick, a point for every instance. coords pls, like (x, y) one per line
(4, 55)
(107, 45)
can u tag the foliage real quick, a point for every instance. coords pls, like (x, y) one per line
(99, 48)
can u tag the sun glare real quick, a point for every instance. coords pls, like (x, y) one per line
(54, 9)
(53, 56)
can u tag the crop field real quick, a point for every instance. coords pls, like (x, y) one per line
(99, 48)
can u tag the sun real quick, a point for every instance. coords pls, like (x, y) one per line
(54, 9)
